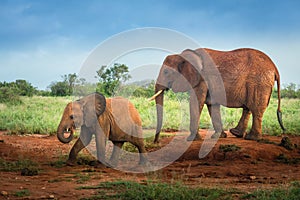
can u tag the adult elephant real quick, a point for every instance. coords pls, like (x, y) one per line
(115, 119)
(242, 78)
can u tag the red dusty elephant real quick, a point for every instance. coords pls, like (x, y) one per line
(115, 119)
(242, 78)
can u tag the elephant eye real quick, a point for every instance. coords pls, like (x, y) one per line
(166, 72)
(71, 116)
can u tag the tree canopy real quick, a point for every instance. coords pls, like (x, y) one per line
(111, 78)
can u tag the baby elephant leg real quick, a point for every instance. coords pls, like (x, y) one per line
(82, 141)
(139, 143)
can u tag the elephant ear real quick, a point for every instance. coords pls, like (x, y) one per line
(212, 77)
(93, 106)
(191, 67)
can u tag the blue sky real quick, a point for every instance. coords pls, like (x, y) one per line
(42, 40)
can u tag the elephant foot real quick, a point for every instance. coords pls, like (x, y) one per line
(236, 132)
(100, 165)
(71, 162)
(253, 136)
(156, 141)
(219, 135)
(193, 137)
(112, 163)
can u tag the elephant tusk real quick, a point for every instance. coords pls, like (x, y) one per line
(154, 96)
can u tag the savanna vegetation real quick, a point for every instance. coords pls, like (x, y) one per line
(39, 114)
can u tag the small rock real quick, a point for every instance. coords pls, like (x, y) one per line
(252, 177)
(29, 172)
(51, 196)
(43, 188)
(284, 176)
(4, 193)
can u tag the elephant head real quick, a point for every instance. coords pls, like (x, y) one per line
(183, 72)
(84, 111)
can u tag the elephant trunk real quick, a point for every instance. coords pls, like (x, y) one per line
(159, 100)
(61, 131)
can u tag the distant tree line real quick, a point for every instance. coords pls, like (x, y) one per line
(11, 92)
(290, 91)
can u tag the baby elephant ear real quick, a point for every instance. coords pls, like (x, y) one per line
(93, 106)
(100, 103)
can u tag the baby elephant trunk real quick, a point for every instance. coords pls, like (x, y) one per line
(61, 131)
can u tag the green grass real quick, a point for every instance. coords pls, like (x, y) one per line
(34, 115)
(176, 115)
(132, 190)
(229, 147)
(13, 166)
(151, 190)
(291, 193)
(42, 115)
(22, 193)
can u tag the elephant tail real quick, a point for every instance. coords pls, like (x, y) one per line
(279, 113)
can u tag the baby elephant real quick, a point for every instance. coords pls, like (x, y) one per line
(115, 119)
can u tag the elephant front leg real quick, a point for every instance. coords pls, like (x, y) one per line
(196, 105)
(82, 141)
(240, 129)
(215, 115)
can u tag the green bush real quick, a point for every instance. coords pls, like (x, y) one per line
(9, 96)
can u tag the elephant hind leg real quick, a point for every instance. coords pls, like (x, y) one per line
(114, 159)
(139, 143)
(255, 132)
(240, 129)
(256, 129)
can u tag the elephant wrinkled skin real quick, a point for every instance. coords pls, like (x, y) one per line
(242, 78)
(115, 119)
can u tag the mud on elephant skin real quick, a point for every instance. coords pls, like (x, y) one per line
(115, 119)
(242, 78)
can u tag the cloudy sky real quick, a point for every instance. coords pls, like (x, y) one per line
(42, 40)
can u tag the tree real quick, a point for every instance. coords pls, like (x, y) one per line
(25, 88)
(9, 95)
(60, 88)
(83, 88)
(70, 80)
(111, 78)
(289, 91)
(65, 87)
(11, 92)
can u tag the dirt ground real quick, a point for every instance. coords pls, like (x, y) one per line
(254, 165)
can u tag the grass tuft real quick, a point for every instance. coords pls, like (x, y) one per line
(19, 165)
